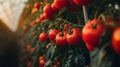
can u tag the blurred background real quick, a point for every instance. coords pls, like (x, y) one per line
(10, 12)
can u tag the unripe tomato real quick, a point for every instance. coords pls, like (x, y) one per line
(61, 39)
(43, 37)
(48, 9)
(91, 32)
(53, 33)
(82, 2)
(60, 3)
(74, 37)
(116, 40)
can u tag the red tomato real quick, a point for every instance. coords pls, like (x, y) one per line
(57, 64)
(48, 9)
(90, 47)
(55, 9)
(66, 27)
(82, 2)
(43, 37)
(29, 64)
(75, 37)
(92, 35)
(37, 5)
(53, 33)
(42, 18)
(42, 63)
(60, 3)
(72, 6)
(116, 40)
(41, 57)
(111, 23)
(25, 28)
(33, 23)
(61, 39)
(47, 16)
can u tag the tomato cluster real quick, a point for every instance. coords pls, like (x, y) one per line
(69, 36)
(42, 61)
(50, 9)
(94, 29)
(36, 6)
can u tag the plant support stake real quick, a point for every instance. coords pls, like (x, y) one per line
(85, 13)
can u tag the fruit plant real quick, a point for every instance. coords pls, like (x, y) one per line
(71, 33)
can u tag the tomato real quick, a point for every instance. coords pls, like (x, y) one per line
(90, 47)
(33, 23)
(66, 27)
(57, 64)
(116, 40)
(48, 16)
(42, 63)
(37, 5)
(91, 34)
(25, 28)
(61, 39)
(111, 23)
(74, 37)
(48, 9)
(72, 6)
(55, 9)
(29, 64)
(34, 10)
(41, 57)
(43, 37)
(42, 18)
(60, 3)
(82, 2)
(53, 33)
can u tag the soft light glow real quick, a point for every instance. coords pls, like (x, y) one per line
(10, 12)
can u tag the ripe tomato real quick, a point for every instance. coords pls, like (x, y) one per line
(74, 37)
(91, 34)
(53, 33)
(116, 40)
(25, 28)
(37, 5)
(72, 6)
(57, 64)
(66, 27)
(42, 63)
(60, 3)
(61, 39)
(41, 57)
(29, 64)
(82, 2)
(90, 47)
(48, 16)
(55, 9)
(48, 9)
(43, 37)
(33, 23)
(42, 18)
